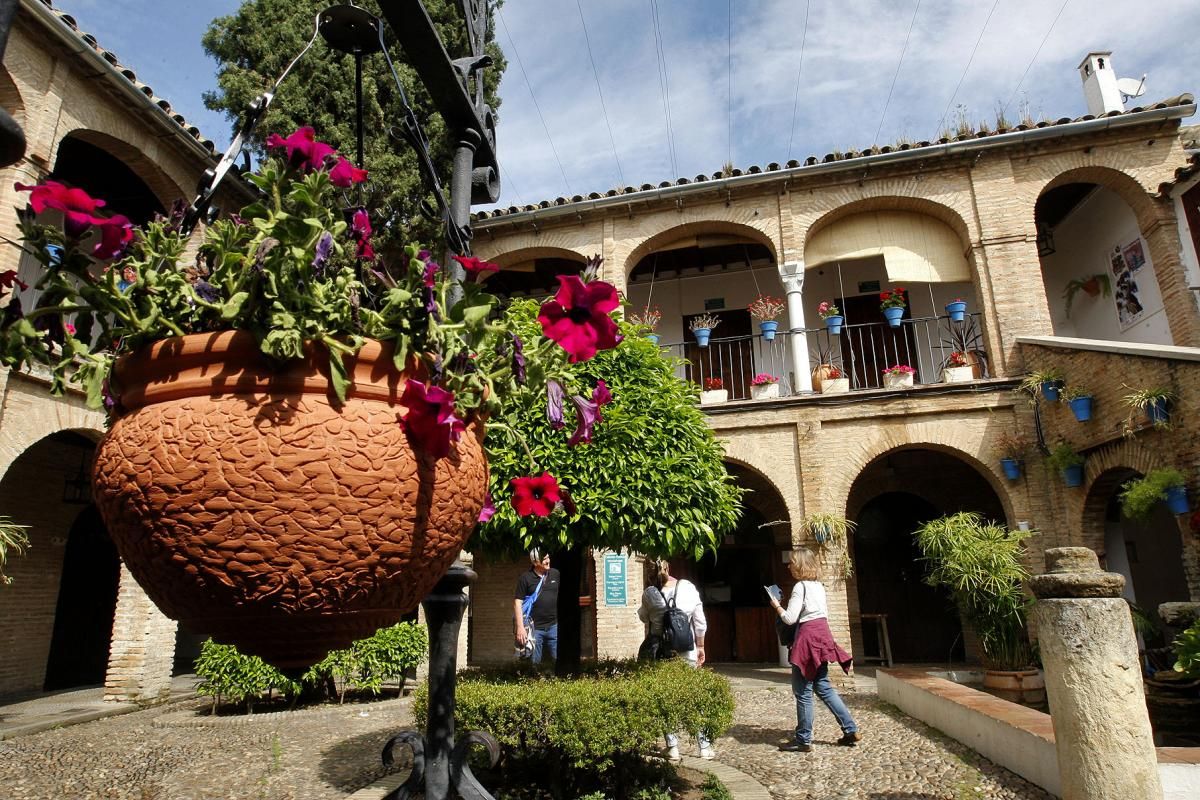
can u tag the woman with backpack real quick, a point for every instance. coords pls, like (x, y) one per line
(812, 650)
(666, 593)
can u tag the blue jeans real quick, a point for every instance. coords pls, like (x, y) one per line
(545, 639)
(803, 690)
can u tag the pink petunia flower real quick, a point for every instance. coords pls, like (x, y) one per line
(489, 508)
(344, 174)
(77, 206)
(304, 152)
(116, 234)
(537, 495)
(360, 228)
(578, 317)
(430, 422)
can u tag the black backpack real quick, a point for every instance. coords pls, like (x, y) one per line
(677, 634)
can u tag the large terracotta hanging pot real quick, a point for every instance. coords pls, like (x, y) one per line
(252, 509)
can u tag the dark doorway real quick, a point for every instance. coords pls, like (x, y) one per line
(729, 355)
(870, 345)
(1150, 555)
(87, 600)
(101, 174)
(923, 624)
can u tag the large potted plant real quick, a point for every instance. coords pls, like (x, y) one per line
(982, 565)
(1066, 461)
(898, 376)
(764, 386)
(295, 446)
(714, 391)
(1140, 496)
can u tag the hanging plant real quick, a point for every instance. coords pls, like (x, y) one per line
(1155, 403)
(831, 533)
(1092, 285)
(1140, 496)
(1048, 381)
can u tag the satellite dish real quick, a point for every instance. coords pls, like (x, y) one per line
(1131, 87)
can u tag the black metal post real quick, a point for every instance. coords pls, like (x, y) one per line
(444, 609)
(358, 100)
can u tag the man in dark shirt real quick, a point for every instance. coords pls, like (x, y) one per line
(545, 609)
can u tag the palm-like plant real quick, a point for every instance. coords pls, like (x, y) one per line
(966, 338)
(12, 540)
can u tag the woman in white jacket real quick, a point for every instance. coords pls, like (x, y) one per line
(687, 599)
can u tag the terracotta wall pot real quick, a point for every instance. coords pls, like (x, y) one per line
(252, 509)
(1026, 686)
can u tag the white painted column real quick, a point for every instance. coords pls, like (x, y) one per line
(792, 275)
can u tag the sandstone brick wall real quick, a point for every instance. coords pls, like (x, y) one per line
(491, 625)
(619, 632)
(143, 647)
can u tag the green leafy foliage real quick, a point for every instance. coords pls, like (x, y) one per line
(252, 48)
(652, 479)
(1187, 652)
(13, 540)
(1063, 456)
(981, 563)
(594, 726)
(714, 789)
(231, 676)
(1141, 495)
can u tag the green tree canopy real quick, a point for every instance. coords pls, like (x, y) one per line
(652, 479)
(255, 45)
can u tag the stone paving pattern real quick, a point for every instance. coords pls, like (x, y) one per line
(332, 752)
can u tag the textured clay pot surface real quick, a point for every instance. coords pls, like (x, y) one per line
(251, 509)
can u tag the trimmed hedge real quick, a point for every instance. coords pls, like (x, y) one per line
(612, 713)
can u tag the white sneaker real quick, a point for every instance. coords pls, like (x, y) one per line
(707, 753)
(673, 755)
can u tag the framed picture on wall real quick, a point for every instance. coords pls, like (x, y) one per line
(1117, 261)
(1129, 303)
(1135, 257)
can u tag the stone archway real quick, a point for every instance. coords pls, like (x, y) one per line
(533, 271)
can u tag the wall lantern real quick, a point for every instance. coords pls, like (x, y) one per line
(1045, 240)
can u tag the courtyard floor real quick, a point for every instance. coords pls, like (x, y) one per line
(170, 753)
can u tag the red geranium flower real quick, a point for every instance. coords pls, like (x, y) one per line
(477, 269)
(577, 318)
(76, 205)
(537, 495)
(430, 421)
(344, 174)
(304, 152)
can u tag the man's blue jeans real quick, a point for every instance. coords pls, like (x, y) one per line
(545, 640)
(804, 689)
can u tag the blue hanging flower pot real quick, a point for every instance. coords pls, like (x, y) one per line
(652, 338)
(1157, 411)
(894, 314)
(55, 252)
(1081, 407)
(702, 335)
(1050, 390)
(1177, 500)
(1073, 475)
(768, 328)
(957, 310)
(1012, 468)
(834, 325)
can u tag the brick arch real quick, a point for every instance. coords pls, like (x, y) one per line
(165, 188)
(1139, 199)
(47, 416)
(774, 506)
(510, 257)
(10, 97)
(1104, 472)
(667, 231)
(894, 202)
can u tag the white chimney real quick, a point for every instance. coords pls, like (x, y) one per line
(1100, 84)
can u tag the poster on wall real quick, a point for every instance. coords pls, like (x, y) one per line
(1125, 288)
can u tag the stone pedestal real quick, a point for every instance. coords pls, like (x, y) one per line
(1093, 681)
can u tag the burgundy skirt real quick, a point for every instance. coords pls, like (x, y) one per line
(814, 647)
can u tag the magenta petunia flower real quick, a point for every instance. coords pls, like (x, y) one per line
(537, 495)
(9, 278)
(489, 508)
(587, 414)
(344, 174)
(430, 422)
(77, 206)
(116, 234)
(304, 152)
(477, 269)
(360, 227)
(578, 317)
(69, 328)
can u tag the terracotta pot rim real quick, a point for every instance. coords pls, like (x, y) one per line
(1026, 671)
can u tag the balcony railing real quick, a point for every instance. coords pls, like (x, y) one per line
(862, 352)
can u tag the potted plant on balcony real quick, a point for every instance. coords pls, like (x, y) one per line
(648, 318)
(831, 533)
(966, 338)
(955, 368)
(1080, 401)
(1091, 285)
(1155, 403)
(295, 447)
(1163, 485)
(898, 376)
(714, 392)
(1048, 381)
(892, 303)
(766, 310)
(982, 565)
(832, 316)
(764, 386)
(702, 327)
(1011, 448)
(1065, 460)
(956, 309)
(834, 382)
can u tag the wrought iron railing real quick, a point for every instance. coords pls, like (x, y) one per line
(861, 352)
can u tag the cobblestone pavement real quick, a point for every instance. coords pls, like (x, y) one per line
(326, 754)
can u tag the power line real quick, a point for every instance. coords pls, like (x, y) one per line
(596, 75)
(728, 81)
(533, 97)
(966, 70)
(506, 180)
(1061, 9)
(903, 50)
(799, 71)
(664, 85)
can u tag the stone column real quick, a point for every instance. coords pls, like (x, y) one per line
(1093, 680)
(792, 275)
(143, 647)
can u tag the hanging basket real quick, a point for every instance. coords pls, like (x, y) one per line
(702, 335)
(834, 325)
(251, 508)
(956, 310)
(768, 328)
(894, 314)
(1012, 468)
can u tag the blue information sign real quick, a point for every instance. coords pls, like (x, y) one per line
(614, 580)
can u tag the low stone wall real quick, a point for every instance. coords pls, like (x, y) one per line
(1017, 738)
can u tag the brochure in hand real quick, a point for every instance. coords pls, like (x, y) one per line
(775, 592)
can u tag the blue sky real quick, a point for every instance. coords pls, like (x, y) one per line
(732, 69)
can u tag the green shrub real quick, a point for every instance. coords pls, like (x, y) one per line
(1141, 495)
(1063, 456)
(599, 723)
(226, 674)
(1187, 652)
(713, 789)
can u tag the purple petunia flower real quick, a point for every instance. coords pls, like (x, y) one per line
(324, 247)
(554, 404)
(586, 416)
(206, 291)
(518, 360)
